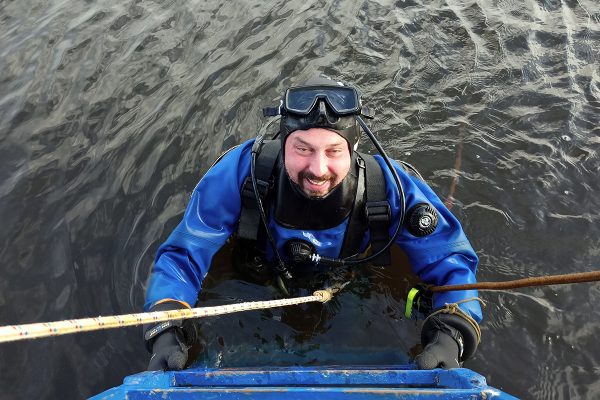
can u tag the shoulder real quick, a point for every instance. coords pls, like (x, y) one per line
(408, 175)
(235, 159)
(231, 167)
(236, 152)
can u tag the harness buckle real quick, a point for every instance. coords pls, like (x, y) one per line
(378, 211)
(360, 162)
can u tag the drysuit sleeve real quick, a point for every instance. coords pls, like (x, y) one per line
(445, 256)
(212, 215)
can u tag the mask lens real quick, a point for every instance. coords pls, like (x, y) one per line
(301, 100)
(343, 100)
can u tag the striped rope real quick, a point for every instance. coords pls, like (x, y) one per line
(13, 333)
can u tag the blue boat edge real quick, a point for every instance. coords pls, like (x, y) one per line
(301, 382)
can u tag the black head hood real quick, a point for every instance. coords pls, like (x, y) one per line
(322, 116)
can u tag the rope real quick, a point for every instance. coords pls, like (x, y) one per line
(526, 282)
(453, 308)
(12, 333)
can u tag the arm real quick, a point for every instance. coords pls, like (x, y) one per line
(444, 257)
(182, 262)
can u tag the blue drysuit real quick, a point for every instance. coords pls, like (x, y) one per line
(444, 257)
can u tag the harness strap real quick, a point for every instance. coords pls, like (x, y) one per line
(378, 210)
(357, 223)
(250, 223)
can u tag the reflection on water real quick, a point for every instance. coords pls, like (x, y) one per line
(111, 111)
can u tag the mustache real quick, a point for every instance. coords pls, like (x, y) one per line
(313, 177)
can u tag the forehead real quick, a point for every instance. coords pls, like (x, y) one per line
(316, 137)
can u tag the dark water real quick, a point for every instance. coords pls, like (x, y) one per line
(110, 112)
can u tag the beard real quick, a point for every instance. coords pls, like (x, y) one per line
(316, 194)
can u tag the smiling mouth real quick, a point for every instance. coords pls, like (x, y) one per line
(317, 182)
(315, 186)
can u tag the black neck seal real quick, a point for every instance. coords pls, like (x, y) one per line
(294, 209)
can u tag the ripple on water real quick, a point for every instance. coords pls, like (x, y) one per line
(110, 113)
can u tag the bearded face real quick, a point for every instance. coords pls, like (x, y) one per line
(317, 160)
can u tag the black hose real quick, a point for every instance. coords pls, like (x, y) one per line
(281, 267)
(349, 261)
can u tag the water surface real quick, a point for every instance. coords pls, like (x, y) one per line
(110, 112)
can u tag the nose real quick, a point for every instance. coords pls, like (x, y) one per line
(318, 164)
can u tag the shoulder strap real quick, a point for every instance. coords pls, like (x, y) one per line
(377, 212)
(249, 223)
(357, 223)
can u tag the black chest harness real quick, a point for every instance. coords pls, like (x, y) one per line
(370, 209)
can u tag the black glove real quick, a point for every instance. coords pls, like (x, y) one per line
(449, 339)
(441, 352)
(169, 341)
(168, 351)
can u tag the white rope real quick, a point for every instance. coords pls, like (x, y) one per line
(12, 333)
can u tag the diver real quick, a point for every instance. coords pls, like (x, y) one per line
(308, 197)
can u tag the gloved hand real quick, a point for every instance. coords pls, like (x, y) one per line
(441, 352)
(168, 351)
(449, 339)
(169, 341)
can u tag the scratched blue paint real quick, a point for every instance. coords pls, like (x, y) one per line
(306, 383)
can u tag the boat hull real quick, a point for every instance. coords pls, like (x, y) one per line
(306, 383)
